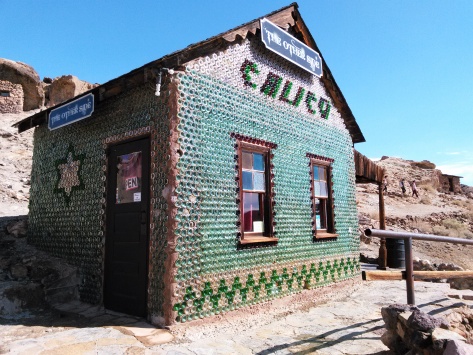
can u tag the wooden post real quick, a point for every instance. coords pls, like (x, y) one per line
(411, 299)
(383, 253)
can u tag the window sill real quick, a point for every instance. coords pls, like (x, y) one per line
(252, 240)
(325, 235)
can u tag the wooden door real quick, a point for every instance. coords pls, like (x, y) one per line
(127, 233)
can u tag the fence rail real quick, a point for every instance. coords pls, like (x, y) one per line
(407, 237)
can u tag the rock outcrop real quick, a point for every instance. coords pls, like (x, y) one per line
(21, 88)
(424, 164)
(64, 88)
(28, 78)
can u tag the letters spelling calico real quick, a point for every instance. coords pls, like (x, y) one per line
(272, 85)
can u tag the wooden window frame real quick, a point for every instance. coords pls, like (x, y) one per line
(330, 231)
(268, 236)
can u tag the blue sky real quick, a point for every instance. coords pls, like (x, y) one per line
(405, 67)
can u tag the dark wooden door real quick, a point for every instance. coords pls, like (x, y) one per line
(127, 233)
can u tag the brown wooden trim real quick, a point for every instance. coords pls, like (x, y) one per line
(170, 298)
(253, 147)
(330, 214)
(325, 235)
(258, 146)
(252, 240)
(314, 161)
(320, 159)
(255, 141)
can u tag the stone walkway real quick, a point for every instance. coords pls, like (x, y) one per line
(348, 325)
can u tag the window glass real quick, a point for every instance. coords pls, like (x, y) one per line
(247, 160)
(322, 173)
(316, 173)
(252, 216)
(258, 162)
(247, 180)
(129, 178)
(258, 181)
(317, 214)
(320, 215)
(323, 189)
(316, 188)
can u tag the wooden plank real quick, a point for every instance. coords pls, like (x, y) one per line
(379, 275)
(443, 274)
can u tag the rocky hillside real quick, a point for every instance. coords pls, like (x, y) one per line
(15, 165)
(433, 212)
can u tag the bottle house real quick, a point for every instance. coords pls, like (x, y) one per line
(216, 178)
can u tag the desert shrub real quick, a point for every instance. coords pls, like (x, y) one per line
(425, 200)
(469, 208)
(455, 228)
(469, 215)
(422, 227)
(451, 223)
(440, 230)
(467, 234)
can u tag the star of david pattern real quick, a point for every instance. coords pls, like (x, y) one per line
(69, 174)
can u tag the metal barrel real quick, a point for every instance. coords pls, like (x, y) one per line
(396, 257)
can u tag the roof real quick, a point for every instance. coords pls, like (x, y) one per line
(367, 171)
(284, 17)
(460, 177)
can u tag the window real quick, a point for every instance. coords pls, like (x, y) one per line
(4, 93)
(322, 202)
(129, 168)
(255, 190)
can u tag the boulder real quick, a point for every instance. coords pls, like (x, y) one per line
(28, 78)
(17, 297)
(65, 88)
(390, 314)
(18, 229)
(420, 321)
(458, 347)
(18, 271)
